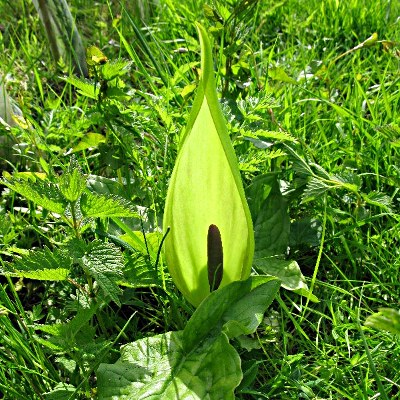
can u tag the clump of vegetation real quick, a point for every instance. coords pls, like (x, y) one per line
(261, 182)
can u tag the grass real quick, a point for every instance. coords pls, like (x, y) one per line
(276, 72)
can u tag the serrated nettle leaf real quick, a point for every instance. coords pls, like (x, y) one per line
(379, 199)
(115, 68)
(351, 179)
(323, 181)
(315, 187)
(76, 248)
(275, 135)
(138, 274)
(105, 263)
(206, 189)
(85, 87)
(300, 164)
(43, 193)
(391, 131)
(72, 183)
(321, 172)
(26, 175)
(97, 206)
(348, 180)
(46, 264)
(259, 143)
(157, 368)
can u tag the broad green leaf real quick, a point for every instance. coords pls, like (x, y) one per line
(288, 272)
(104, 262)
(46, 264)
(198, 363)
(157, 368)
(99, 206)
(206, 189)
(244, 317)
(387, 319)
(236, 308)
(249, 367)
(272, 224)
(44, 194)
(258, 191)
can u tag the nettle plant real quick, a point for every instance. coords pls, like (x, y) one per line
(68, 199)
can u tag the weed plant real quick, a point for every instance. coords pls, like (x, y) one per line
(316, 132)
